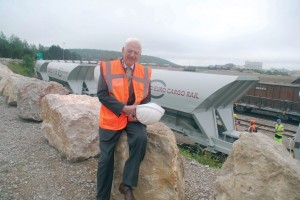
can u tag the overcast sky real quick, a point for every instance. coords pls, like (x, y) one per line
(186, 32)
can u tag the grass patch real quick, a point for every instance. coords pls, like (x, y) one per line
(205, 157)
(18, 68)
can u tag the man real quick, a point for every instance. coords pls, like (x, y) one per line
(123, 84)
(278, 131)
(237, 122)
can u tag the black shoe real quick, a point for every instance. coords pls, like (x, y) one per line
(127, 191)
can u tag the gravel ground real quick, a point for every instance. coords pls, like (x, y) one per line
(31, 169)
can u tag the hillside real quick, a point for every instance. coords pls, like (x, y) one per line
(94, 54)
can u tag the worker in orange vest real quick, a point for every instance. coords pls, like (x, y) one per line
(252, 128)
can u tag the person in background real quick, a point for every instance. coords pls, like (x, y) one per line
(236, 121)
(123, 84)
(252, 128)
(279, 129)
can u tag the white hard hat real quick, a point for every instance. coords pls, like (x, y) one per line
(149, 113)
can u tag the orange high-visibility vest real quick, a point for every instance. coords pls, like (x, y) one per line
(115, 78)
(253, 127)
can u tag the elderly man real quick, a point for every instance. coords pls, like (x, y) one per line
(123, 84)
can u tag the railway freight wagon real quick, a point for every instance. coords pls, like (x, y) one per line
(280, 100)
(76, 76)
(197, 105)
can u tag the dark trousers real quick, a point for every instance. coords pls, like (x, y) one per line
(137, 141)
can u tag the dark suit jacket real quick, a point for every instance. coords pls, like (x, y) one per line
(110, 102)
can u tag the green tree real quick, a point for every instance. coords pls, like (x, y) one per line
(28, 64)
(41, 48)
(75, 56)
(54, 53)
(17, 46)
(4, 46)
(27, 61)
(14, 47)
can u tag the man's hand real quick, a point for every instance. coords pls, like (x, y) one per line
(132, 118)
(129, 110)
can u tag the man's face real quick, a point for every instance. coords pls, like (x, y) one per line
(131, 53)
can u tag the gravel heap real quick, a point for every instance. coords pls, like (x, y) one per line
(31, 169)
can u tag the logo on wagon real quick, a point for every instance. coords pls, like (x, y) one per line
(158, 88)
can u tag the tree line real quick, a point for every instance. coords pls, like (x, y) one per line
(14, 47)
(96, 54)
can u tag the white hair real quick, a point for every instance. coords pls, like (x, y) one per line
(135, 40)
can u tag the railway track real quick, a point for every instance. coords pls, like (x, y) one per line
(265, 127)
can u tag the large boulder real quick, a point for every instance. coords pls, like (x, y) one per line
(70, 124)
(4, 71)
(258, 168)
(10, 86)
(30, 95)
(3, 82)
(161, 172)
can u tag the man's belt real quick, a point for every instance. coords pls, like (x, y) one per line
(278, 136)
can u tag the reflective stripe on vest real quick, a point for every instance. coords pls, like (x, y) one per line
(144, 81)
(110, 77)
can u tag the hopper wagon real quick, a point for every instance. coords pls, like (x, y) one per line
(77, 77)
(199, 105)
(41, 69)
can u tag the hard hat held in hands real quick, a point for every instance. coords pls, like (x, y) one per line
(149, 113)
